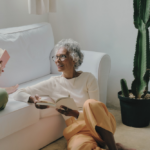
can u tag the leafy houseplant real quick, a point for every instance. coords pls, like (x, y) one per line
(141, 71)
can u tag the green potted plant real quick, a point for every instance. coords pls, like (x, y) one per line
(135, 106)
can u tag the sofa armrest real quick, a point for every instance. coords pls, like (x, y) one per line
(99, 65)
(103, 75)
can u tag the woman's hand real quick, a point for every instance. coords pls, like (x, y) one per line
(35, 99)
(11, 89)
(68, 112)
(1, 67)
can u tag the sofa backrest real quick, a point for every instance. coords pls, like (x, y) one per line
(29, 48)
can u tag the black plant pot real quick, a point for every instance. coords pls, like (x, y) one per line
(135, 113)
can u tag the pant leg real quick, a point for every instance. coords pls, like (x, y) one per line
(82, 141)
(96, 114)
(78, 136)
(3, 98)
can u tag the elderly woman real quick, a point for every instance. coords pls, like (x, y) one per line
(90, 129)
(5, 91)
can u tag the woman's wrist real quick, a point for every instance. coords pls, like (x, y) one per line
(76, 114)
(31, 99)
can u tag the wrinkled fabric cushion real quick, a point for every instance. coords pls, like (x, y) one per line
(16, 116)
(29, 48)
(43, 112)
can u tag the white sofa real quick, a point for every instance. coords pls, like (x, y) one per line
(22, 126)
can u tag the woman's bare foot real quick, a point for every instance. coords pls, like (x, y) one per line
(121, 147)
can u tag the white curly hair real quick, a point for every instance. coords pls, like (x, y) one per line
(73, 48)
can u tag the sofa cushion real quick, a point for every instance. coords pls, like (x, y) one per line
(29, 48)
(43, 112)
(16, 116)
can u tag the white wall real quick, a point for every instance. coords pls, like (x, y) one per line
(15, 13)
(100, 25)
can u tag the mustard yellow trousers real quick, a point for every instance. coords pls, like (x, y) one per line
(81, 133)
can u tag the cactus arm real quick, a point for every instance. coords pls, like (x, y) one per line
(124, 88)
(137, 19)
(148, 23)
(138, 85)
(146, 76)
(145, 10)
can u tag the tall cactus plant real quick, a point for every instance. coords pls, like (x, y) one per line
(141, 68)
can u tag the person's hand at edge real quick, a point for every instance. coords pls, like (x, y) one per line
(11, 89)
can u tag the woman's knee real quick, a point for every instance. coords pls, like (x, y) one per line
(93, 105)
(3, 94)
(3, 98)
(91, 102)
